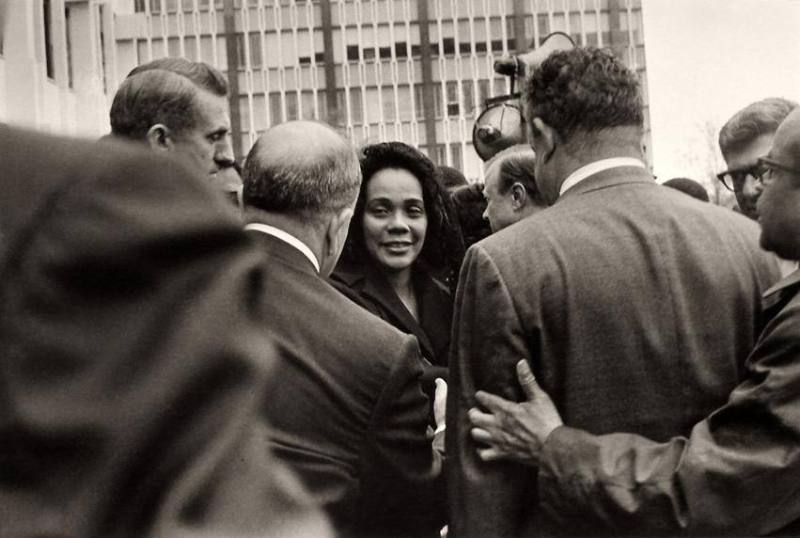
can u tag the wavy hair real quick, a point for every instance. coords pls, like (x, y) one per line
(583, 89)
(443, 249)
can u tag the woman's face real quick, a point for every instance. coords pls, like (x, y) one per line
(394, 218)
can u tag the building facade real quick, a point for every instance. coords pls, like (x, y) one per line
(411, 70)
(54, 65)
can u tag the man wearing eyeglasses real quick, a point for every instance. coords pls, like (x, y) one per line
(743, 139)
(738, 471)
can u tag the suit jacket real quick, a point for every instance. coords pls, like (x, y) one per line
(126, 407)
(733, 475)
(636, 307)
(348, 412)
(367, 286)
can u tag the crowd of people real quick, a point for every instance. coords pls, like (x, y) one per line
(363, 344)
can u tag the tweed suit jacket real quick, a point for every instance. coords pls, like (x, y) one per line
(636, 307)
(347, 409)
(734, 475)
(131, 362)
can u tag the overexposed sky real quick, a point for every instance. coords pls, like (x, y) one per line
(706, 59)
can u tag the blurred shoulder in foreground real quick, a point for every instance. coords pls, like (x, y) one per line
(132, 356)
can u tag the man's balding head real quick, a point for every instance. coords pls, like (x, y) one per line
(779, 204)
(303, 169)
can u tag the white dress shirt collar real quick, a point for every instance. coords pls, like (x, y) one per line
(287, 238)
(598, 166)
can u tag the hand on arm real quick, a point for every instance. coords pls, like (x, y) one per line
(515, 431)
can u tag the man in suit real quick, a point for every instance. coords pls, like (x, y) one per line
(127, 409)
(347, 408)
(511, 192)
(735, 473)
(178, 106)
(634, 305)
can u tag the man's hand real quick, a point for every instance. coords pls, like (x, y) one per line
(515, 431)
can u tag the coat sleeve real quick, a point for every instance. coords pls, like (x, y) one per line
(402, 480)
(735, 474)
(486, 499)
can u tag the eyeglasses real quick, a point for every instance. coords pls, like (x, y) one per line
(769, 165)
(734, 179)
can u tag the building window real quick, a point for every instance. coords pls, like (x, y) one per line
(70, 74)
(436, 153)
(483, 92)
(453, 107)
(369, 54)
(101, 45)
(455, 156)
(449, 46)
(544, 26)
(401, 49)
(385, 52)
(48, 39)
(356, 116)
(352, 53)
(275, 108)
(291, 106)
(387, 95)
(255, 49)
(469, 100)
(307, 102)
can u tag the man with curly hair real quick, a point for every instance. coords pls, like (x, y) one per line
(635, 306)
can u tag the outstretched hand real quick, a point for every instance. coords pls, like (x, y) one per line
(515, 431)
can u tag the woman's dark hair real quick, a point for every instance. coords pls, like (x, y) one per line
(443, 250)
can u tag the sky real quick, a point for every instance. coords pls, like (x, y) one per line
(706, 59)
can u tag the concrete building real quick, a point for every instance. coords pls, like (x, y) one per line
(54, 65)
(411, 70)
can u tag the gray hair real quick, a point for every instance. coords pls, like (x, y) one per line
(301, 168)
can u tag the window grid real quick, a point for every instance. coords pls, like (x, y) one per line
(379, 90)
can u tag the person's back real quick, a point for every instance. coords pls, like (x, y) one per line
(347, 410)
(347, 407)
(634, 305)
(675, 279)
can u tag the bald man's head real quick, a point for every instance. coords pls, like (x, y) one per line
(301, 168)
(779, 204)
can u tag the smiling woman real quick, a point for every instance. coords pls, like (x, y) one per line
(404, 248)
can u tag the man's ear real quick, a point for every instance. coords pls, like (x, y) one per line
(545, 138)
(339, 225)
(335, 236)
(159, 137)
(519, 196)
